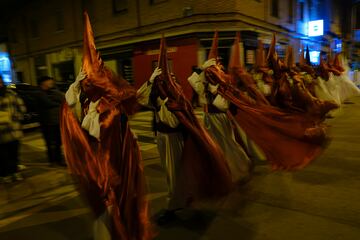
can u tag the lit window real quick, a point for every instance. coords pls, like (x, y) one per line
(315, 57)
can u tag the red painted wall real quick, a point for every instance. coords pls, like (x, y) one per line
(184, 58)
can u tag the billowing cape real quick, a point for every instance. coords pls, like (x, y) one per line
(206, 172)
(109, 170)
(242, 76)
(289, 140)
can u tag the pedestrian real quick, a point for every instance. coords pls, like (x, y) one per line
(49, 102)
(12, 109)
(194, 163)
(101, 151)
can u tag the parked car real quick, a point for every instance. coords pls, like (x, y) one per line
(28, 94)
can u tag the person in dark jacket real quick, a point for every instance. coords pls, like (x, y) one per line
(50, 100)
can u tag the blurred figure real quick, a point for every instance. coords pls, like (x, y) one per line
(12, 109)
(49, 102)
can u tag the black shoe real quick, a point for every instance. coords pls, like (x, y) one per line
(165, 218)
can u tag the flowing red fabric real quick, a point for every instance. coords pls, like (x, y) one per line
(241, 76)
(290, 141)
(109, 170)
(206, 172)
(296, 97)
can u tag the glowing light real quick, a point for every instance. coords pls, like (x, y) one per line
(5, 67)
(314, 56)
(316, 28)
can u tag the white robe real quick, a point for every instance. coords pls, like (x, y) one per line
(170, 147)
(220, 128)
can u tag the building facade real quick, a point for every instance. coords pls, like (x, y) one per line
(45, 37)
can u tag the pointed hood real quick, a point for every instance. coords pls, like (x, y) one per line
(330, 59)
(235, 53)
(337, 63)
(260, 55)
(162, 61)
(289, 57)
(307, 55)
(214, 47)
(92, 61)
(301, 57)
(272, 50)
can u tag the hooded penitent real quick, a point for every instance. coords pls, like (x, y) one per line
(241, 76)
(337, 63)
(289, 141)
(109, 169)
(206, 172)
(305, 65)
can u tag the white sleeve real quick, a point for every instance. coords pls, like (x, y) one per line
(91, 120)
(72, 95)
(197, 83)
(221, 103)
(166, 116)
(143, 94)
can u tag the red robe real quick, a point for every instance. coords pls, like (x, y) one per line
(109, 170)
(289, 140)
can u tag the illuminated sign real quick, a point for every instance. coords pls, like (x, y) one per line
(357, 35)
(5, 67)
(316, 28)
(315, 56)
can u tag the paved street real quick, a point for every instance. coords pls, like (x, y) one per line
(321, 202)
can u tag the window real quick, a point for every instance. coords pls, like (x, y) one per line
(291, 11)
(275, 8)
(59, 20)
(301, 9)
(153, 2)
(120, 6)
(34, 29)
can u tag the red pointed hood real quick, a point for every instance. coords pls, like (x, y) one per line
(301, 57)
(214, 47)
(337, 63)
(272, 50)
(162, 61)
(260, 55)
(289, 57)
(330, 59)
(235, 54)
(92, 61)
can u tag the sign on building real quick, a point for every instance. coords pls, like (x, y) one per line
(316, 28)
